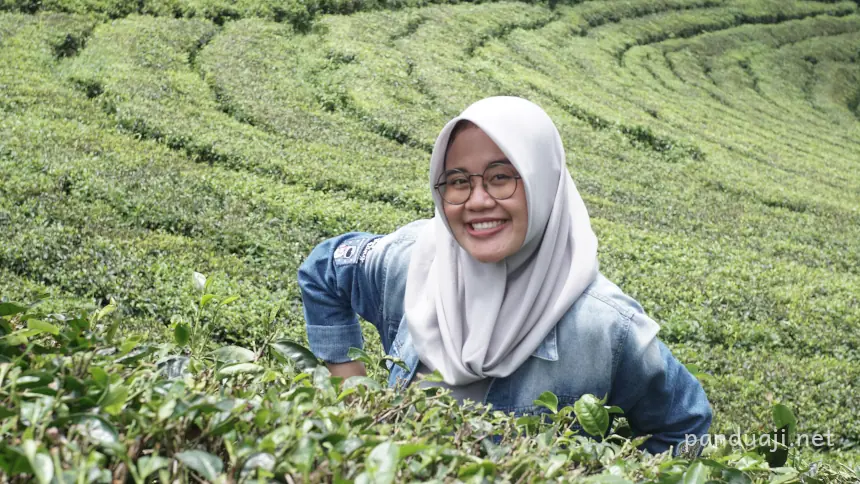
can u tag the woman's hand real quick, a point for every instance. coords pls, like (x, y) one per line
(346, 370)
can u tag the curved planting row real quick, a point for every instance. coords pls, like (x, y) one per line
(715, 142)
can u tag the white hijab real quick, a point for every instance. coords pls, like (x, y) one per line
(472, 320)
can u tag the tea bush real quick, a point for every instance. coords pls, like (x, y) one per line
(715, 143)
(83, 404)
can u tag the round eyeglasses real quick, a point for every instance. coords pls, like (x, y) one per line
(499, 180)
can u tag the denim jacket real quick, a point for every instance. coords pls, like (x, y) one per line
(604, 345)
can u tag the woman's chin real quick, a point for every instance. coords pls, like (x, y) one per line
(487, 255)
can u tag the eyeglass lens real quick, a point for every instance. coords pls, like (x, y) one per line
(499, 182)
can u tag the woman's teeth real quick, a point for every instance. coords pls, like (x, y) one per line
(487, 225)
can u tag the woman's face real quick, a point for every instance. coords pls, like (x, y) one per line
(501, 224)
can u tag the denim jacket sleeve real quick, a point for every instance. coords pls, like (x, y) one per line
(350, 275)
(336, 284)
(657, 393)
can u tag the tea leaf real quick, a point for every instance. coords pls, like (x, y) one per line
(11, 309)
(696, 474)
(149, 464)
(94, 427)
(382, 463)
(43, 326)
(228, 300)
(301, 357)
(204, 463)
(783, 416)
(114, 399)
(39, 460)
(234, 354)
(238, 369)
(181, 334)
(592, 415)
(548, 400)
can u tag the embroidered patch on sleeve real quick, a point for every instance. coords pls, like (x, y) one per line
(355, 251)
(346, 253)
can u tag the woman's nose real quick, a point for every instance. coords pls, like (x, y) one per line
(480, 199)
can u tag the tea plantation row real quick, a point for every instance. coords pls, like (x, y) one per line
(715, 142)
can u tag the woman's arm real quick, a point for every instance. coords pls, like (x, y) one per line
(657, 393)
(346, 370)
(338, 280)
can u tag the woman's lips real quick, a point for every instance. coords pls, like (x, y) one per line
(487, 232)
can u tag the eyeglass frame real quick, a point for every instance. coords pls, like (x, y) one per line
(483, 182)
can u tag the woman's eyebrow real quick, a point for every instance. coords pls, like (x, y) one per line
(502, 161)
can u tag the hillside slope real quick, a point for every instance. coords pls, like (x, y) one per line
(716, 144)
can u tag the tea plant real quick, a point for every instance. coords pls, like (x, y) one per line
(714, 141)
(80, 404)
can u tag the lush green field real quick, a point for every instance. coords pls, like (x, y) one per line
(716, 144)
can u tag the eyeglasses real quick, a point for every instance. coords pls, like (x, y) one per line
(499, 180)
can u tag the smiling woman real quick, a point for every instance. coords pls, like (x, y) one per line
(488, 219)
(500, 291)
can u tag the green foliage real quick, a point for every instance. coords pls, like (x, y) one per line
(714, 141)
(80, 405)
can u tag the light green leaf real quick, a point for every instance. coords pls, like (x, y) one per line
(204, 299)
(149, 464)
(239, 368)
(345, 393)
(165, 410)
(411, 449)
(358, 354)
(234, 354)
(366, 381)
(607, 479)
(382, 463)
(548, 400)
(114, 399)
(486, 467)
(783, 416)
(783, 475)
(228, 300)
(128, 345)
(17, 338)
(94, 427)
(259, 460)
(33, 412)
(556, 463)
(40, 461)
(100, 376)
(696, 474)
(43, 327)
(105, 311)
(592, 415)
(527, 420)
(203, 463)
(435, 377)
(734, 476)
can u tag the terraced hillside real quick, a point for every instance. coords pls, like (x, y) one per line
(716, 144)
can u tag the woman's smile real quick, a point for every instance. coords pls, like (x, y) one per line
(484, 228)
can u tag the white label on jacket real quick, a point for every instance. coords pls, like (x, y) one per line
(346, 253)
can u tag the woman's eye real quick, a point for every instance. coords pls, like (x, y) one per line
(458, 182)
